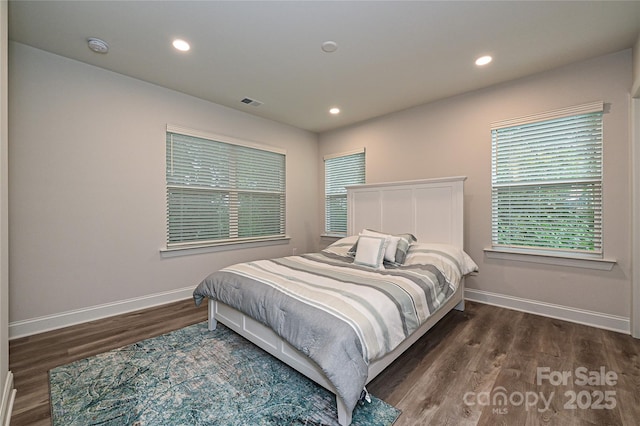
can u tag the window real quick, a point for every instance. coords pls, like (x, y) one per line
(547, 182)
(222, 191)
(340, 171)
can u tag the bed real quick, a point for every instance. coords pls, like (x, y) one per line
(342, 315)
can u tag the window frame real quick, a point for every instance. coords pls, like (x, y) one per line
(568, 257)
(341, 195)
(234, 241)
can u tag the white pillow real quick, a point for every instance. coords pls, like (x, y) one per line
(392, 243)
(404, 241)
(370, 251)
(342, 246)
(452, 261)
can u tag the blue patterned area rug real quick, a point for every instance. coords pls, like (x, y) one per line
(195, 377)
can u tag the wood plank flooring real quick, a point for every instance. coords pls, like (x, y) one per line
(31, 358)
(454, 375)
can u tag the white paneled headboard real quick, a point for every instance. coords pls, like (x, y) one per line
(430, 209)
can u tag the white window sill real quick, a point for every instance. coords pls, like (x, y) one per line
(235, 245)
(551, 259)
(336, 236)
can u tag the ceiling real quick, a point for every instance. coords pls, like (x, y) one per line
(391, 55)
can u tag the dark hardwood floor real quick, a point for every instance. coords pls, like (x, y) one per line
(31, 358)
(544, 371)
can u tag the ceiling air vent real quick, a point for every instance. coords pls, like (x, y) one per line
(251, 102)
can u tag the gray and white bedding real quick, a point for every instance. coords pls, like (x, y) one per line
(340, 314)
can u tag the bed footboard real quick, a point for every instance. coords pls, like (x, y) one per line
(212, 322)
(268, 340)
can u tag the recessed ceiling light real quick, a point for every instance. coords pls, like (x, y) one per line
(334, 111)
(181, 45)
(483, 60)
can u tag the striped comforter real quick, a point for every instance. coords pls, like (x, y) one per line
(339, 314)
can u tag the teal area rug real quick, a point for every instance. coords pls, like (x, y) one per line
(195, 377)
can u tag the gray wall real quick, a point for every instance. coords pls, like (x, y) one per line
(87, 185)
(87, 193)
(452, 137)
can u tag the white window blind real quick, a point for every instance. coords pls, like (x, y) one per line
(547, 181)
(221, 192)
(340, 171)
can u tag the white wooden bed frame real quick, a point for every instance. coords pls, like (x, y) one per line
(430, 209)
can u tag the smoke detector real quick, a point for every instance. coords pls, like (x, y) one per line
(97, 45)
(329, 46)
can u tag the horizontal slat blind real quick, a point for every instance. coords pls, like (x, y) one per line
(547, 184)
(340, 172)
(222, 192)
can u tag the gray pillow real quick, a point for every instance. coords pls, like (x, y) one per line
(401, 251)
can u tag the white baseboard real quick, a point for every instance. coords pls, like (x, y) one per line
(32, 326)
(566, 313)
(8, 396)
